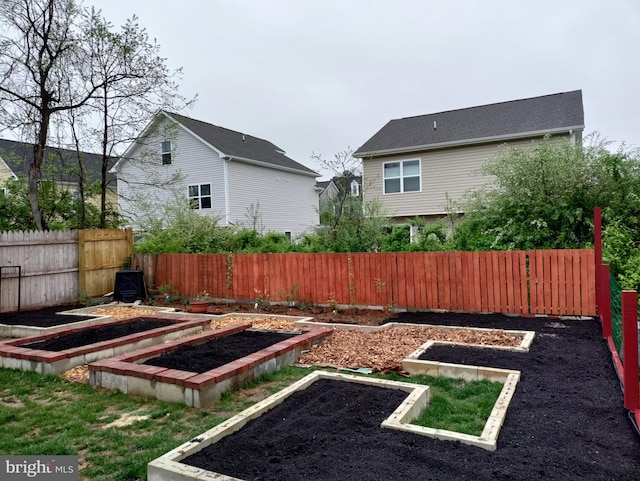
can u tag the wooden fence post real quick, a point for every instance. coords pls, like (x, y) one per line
(597, 249)
(604, 304)
(630, 350)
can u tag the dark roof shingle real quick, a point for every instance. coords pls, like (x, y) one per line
(237, 144)
(18, 155)
(516, 118)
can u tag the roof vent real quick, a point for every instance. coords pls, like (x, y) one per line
(243, 137)
(435, 126)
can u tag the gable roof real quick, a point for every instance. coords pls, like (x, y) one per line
(240, 146)
(323, 184)
(529, 117)
(18, 156)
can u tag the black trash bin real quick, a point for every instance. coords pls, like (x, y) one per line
(129, 286)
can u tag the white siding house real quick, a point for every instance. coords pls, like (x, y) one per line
(238, 178)
(418, 166)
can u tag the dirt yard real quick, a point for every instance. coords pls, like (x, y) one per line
(566, 420)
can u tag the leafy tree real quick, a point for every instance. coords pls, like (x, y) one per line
(61, 208)
(179, 229)
(544, 195)
(430, 236)
(359, 228)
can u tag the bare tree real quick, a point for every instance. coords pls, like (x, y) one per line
(134, 83)
(50, 64)
(345, 168)
(254, 217)
(36, 55)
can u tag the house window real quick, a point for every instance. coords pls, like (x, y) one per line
(200, 196)
(287, 234)
(355, 188)
(166, 152)
(402, 176)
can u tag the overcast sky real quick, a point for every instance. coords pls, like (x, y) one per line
(322, 76)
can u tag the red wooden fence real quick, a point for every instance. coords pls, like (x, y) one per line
(555, 282)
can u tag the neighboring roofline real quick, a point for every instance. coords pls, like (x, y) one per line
(13, 174)
(481, 140)
(269, 165)
(135, 144)
(216, 150)
(125, 155)
(323, 190)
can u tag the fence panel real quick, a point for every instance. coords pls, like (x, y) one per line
(519, 282)
(48, 266)
(56, 267)
(562, 282)
(49, 269)
(102, 253)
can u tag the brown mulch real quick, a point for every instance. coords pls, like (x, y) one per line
(271, 323)
(122, 312)
(385, 350)
(380, 351)
(77, 374)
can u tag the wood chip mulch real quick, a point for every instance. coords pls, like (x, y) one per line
(379, 351)
(385, 350)
(77, 374)
(122, 312)
(273, 323)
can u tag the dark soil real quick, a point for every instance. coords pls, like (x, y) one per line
(42, 317)
(91, 335)
(566, 421)
(217, 352)
(362, 317)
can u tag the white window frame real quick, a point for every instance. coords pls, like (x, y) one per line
(355, 188)
(166, 155)
(402, 176)
(195, 201)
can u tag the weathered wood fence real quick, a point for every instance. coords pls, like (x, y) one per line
(553, 282)
(56, 267)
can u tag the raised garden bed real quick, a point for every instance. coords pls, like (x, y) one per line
(62, 318)
(41, 321)
(95, 334)
(172, 373)
(76, 346)
(565, 421)
(209, 355)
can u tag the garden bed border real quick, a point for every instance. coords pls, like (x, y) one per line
(126, 374)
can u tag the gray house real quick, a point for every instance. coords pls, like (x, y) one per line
(236, 177)
(415, 165)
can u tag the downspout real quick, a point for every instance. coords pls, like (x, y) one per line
(226, 189)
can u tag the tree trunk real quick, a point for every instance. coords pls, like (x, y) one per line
(105, 162)
(34, 172)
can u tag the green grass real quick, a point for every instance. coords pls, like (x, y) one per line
(455, 404)
(49, 415)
